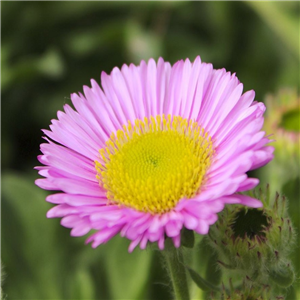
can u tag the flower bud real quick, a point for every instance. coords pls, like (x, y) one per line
(253, 245)
(282, 120)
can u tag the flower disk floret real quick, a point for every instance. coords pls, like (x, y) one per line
(152, 165)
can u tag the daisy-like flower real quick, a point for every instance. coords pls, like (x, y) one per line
(156, 149)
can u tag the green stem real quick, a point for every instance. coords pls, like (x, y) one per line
(176, 270)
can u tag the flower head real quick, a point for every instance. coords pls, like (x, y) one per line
(156, 149)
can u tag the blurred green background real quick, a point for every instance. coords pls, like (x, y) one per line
(51, 49)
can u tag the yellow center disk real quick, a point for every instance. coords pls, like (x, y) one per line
(151, 165)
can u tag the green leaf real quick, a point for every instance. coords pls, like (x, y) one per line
(30, 254)
(283, 276)
(141, 43)
(291, 120)
(187, 238)
(213, 272)
(127, 273)
(281, 21)
(51, 63)
(201, 282)
(291, 293)
(226, 266)
(82, 284)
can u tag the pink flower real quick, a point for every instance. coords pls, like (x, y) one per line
(158, 148)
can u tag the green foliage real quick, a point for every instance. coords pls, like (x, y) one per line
(187, 238)
(201, 282)
(291, 120)
(29, 242)
(254, 245)
(50, 265)
(49, 50)
(282, 276)
(127, 273)
(1, 278)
